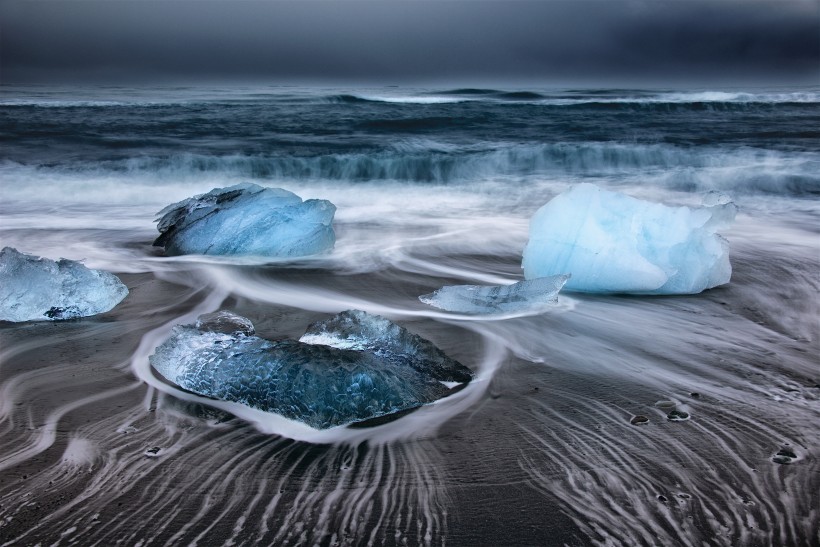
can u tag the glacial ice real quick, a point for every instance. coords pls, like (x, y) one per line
(525, 295)
(361, 331)
(378, 367)
(613, 243)
(247, 219)
(39, 289)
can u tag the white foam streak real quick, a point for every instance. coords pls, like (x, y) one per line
(409, 99)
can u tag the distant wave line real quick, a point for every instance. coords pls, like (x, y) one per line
(467, 95)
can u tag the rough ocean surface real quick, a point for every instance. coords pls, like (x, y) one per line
(532, 294)
(614, 243)
(39, 289)
(386, 370)
(247, 219)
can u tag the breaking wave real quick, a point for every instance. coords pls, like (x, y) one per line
(743, 171)
(696, 99)
(96, 98)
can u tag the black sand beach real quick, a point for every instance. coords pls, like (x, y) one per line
(604, 420)
(546, 454)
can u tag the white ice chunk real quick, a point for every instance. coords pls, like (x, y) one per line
(475, 299)
(247, 219)
(39, 289)
(613, 243)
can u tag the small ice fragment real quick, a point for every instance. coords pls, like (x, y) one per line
(614, 243)
(714, 197)
(525, 295)
(39, 289)
(247, 219)
(387, 370)
(358, 330)
(225, 322)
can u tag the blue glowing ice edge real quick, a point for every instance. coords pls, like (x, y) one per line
(350, 368)
(247, 219)
(614, 243)
(525, 296)
(39, 289)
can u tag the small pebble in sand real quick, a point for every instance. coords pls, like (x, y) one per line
(639, 420)
(784, 456)
(677, 416)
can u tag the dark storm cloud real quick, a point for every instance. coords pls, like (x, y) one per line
(403, 40)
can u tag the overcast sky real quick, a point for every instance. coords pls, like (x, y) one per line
(404, 41)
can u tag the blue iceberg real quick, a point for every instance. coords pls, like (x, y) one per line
(387, 369)
(39, 289)
(613, 243)
(527, 295)
(247, 219)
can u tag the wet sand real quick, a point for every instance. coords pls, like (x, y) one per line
(540, 451)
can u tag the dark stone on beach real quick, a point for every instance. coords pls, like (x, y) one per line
(639, 420)
(784, 456)
(59, 313)
(677, 416)
(694, 394)
(786, 452)
(662, 498)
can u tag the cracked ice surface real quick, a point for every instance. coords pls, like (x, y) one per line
(389, 370)
(247, 219)
(614, 243)
(39, 289)
(525, 295)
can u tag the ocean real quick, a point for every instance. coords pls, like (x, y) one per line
(433, 187)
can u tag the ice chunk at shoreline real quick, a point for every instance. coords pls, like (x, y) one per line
(613, 243)
(39, 289)
(247, 219)
(476, 299)
(317, 384)
(358, 330)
